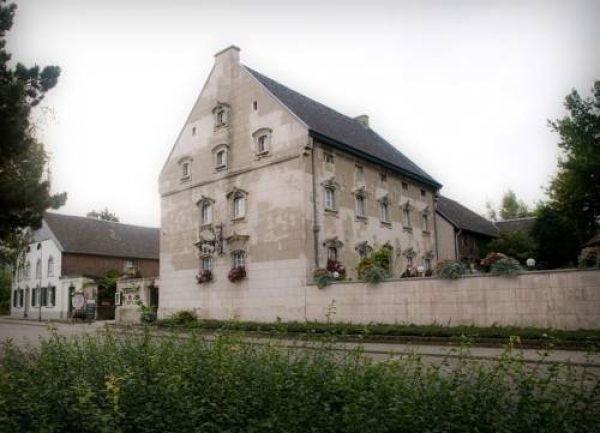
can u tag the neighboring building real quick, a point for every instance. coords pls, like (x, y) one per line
(462, 233)
(524, 224)
(264, 178)
(68, 253)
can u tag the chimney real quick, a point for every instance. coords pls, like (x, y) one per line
(363, 119)
(229, 54)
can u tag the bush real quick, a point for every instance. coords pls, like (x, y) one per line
(373, 275)
(184, 317)
(139, 383)
(322, 277)
(506, 266)
(450, 269)
(380, 259)
(589, 258)
(237, 273)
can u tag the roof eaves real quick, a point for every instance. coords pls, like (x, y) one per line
(357, 152)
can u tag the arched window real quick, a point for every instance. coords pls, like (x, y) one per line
(262, 141)
(220, 155)
(237, 199)
(38, 269)
(384, 209)
(206, 207)
(221, 114)
(50, 270)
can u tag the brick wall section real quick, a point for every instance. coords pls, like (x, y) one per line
(99, 266)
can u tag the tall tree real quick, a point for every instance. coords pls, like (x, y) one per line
(557, 245)
(104, 215)
(575, 191)
(510, 207)
(24, 193)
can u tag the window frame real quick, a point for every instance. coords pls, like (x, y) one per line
(207, 260)
(221, 115)
(38, 269)
(238, 258)
(329, 198)
(360, 206)
(262, 141)
(50, 266)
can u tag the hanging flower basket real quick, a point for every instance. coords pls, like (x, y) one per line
(237, 273)
(204, 276)
(336, 269)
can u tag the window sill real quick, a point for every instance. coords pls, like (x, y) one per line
(362, 219)
(426, 233)
(206, 226)
(221, 168)
(332, 212)
(239, 219)
(386, 224)
(262, 155)
(407, 229)
(185, 179)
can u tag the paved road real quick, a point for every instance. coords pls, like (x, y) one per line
(28, 331)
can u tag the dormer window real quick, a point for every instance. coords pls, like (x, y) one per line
(185, 165)
(220, 153)
(262, 141)
(221, 113)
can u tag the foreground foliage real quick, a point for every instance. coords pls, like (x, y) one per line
(140, 383)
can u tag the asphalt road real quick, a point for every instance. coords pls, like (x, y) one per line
(23, 332)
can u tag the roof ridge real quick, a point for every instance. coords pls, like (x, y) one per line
(100, 221)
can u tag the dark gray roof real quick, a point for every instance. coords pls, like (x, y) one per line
(344, 131)
(464, 218)
(511, 225)
(85, 235)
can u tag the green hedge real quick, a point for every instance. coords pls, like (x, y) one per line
(581, 337)
(143, 384)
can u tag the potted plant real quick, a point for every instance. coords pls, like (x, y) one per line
(237, 273)
(204, 276)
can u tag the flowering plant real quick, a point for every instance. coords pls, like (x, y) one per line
(336, 269)
(487, 262)
(204, 276)
(237, 273)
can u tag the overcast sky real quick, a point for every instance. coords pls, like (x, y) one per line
(463, 88)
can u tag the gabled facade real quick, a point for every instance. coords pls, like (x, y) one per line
(267, 180)
(462, 234)
(68, 253)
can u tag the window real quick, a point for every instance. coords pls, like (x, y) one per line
(425, 222)
(130, 268)
(185, 165)
(423, 193)
(255, 105)
(385, 211)
(409, 261)
(359, 201)
(383, 178)
(329, 198)
(207, 263)
(207, 212)
(239, 207)
(34, 295)
(262, 141)
(38, 269)
(328, 158)
(332, 253)
(27, 270)
(44, 296)
(427, 264)
(21, 296)
(221, 113)
(193, 130)
(51, 296)
(404, 186)
(221, 161)
(406, 215)
(363, 249)
(50, 270)
(15, 298)
(238, 258)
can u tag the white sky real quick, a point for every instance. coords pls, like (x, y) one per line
(463, 88)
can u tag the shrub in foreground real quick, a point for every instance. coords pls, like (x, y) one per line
(450, 270)
(138, 383)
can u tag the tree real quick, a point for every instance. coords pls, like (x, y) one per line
(575, 190)
(557, 245)
(104, 215)
(517, 244)
(510, 207)
(24, 194)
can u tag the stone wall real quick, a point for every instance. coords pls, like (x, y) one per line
(568, 299)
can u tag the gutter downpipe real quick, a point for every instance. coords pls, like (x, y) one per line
(315, 226)
(435, 205)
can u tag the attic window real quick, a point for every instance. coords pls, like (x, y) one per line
(221, 114)
(383, 178)
(255, 105)
(328, 158)
(262, 141)
(404, 186)
(193, 130)
(185, 165)
(221, 156)
(423, 193)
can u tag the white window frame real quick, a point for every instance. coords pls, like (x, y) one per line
(239, 206)
(360, 205)
(221, 115)
(329, 198)
(206, 212)
(238, 258)
(332, 253)
(27, 270)
(425, 222)
(207, 263)
(262, 141)
(384, 211)
(221, 159)
(50, 267)
(406, 216)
